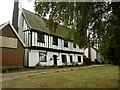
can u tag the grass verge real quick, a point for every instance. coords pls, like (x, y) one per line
(92, 77)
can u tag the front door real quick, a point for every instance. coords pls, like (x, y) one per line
(55, 59)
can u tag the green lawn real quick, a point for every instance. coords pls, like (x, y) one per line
(92, 77)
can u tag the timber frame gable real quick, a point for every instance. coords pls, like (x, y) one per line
(44, 47)
(33, 41)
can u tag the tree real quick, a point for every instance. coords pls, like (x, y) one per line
(110, 45)
(91, 22)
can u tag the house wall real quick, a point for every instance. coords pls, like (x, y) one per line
(8, 42)
(93, 53)
(22, 26)
(49, 42)
(34, 58)
(50, 61)
(30, 39)
(39, 44)
(26, 57)
(67, 57)
(54, 46)
(12, 56)
(27, 38)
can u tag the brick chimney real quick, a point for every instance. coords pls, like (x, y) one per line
(16, 14)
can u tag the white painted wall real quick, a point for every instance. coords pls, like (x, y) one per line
(49, 44)
(67, 57)
(80, 63)
(22, 26)
(50, 61)
(34, 58)
(81, 59)
(33, 55)
(39, 44)
(26, 57)
(27, 38)
(93, 53)
(59, 46)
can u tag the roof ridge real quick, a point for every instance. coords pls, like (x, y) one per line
(44, 18)
(32, 13)
(40, 24)
(4, 24)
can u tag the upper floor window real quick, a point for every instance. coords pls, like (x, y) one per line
(74, 45)
(65, 43)
(55, 40)
(40, 37)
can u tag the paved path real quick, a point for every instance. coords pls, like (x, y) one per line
(12, 76)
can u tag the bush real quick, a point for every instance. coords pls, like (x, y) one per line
(96, 62)
(74, 63)
(12, 69)
(86, 61)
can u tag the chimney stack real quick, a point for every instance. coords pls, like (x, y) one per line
(15, 14)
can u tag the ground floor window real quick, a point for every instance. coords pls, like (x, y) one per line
(42, 57)
(71, 59)
(79, 58)
(64, 58)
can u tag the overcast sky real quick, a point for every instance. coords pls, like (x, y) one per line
(6, 9)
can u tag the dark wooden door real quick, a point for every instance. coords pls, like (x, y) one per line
(55, 59)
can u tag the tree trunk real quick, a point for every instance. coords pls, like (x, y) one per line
(89, 54)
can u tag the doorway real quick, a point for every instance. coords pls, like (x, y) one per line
(55, 59)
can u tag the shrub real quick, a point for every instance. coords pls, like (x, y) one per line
(38, 64)
(74, 63)
(86, 61)
(12, 69)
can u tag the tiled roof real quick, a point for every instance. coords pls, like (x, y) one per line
(38, 23)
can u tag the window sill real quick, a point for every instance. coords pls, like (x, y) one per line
(41, 41)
